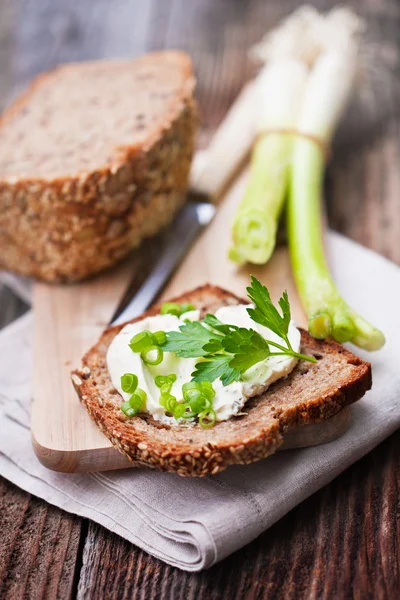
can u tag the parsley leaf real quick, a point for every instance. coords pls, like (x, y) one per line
(265, 313)
(212, 321)
(214, 367)
(190, 340)
(227, 351)
(248, 348)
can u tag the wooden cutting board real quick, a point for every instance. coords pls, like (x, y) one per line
(64, 437)
(68, 319)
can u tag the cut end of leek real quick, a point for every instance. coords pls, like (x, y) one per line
(346, 326)
(320, 326)
(254, 237)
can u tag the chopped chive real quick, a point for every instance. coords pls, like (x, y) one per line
(167, 380)
(141, 393)
(168, 401)
(136, 402)
(127, 409)
(171, 403)
(152, 355)
(171, 308)
(179, 411)
(190, 414)
(186, 308)
(166, 388)
(207, 419)
(129, 383)
(141, 341)
(160, 380)
(197, 404)
(193, 396)
(159, 338)
(207, 389)
(191, 387)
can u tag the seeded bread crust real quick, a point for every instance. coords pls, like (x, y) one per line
(311, 393)
(69, 227)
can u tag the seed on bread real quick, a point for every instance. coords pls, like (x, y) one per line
(310, 393)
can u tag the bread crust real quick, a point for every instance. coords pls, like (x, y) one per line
(68, 228)
(311, 393)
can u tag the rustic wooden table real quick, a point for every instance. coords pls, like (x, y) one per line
(343, 542)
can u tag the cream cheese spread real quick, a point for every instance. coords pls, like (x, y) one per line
(229, 400)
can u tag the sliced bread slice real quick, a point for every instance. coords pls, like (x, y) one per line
(93, 158)
(311, 393)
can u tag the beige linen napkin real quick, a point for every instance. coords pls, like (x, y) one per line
(193, 523)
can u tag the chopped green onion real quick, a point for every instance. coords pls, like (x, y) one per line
(166, 388)
(190, 414)
(141, 341)
(171, 308)
(162, 400)
(197, 405)
(191, 386)
(127, 409)
(159, 338)
(142, 394)
(170, 403)
(207, 419)
(136, 402)
(179, 411)
(161, 380)
(186, 308)
(129, 383)
(207, 389)
(152, 355)
(191, 395)
(198, 400)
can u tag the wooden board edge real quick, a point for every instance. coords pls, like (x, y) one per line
(315, 434)
(80, 461)
(109, 459)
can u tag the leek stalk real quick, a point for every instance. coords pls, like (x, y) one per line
(255, 224)
(328, 89)
(325, 50)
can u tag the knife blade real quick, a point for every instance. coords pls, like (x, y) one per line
(187, 225)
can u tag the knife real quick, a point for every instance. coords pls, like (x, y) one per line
(211, 172)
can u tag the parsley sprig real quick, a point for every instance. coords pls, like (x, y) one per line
(228, 351)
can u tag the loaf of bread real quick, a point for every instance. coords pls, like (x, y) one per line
(94, 157)
(309, 394)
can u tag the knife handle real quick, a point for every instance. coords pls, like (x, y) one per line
(213, 169)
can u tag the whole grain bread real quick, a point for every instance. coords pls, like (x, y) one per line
(94, 157)
(311, 393)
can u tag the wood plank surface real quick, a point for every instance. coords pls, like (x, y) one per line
(343, 542)
(335, 545)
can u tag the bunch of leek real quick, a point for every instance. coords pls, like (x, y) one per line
(311, 63)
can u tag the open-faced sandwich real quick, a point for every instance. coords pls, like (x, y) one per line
(209, 380)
